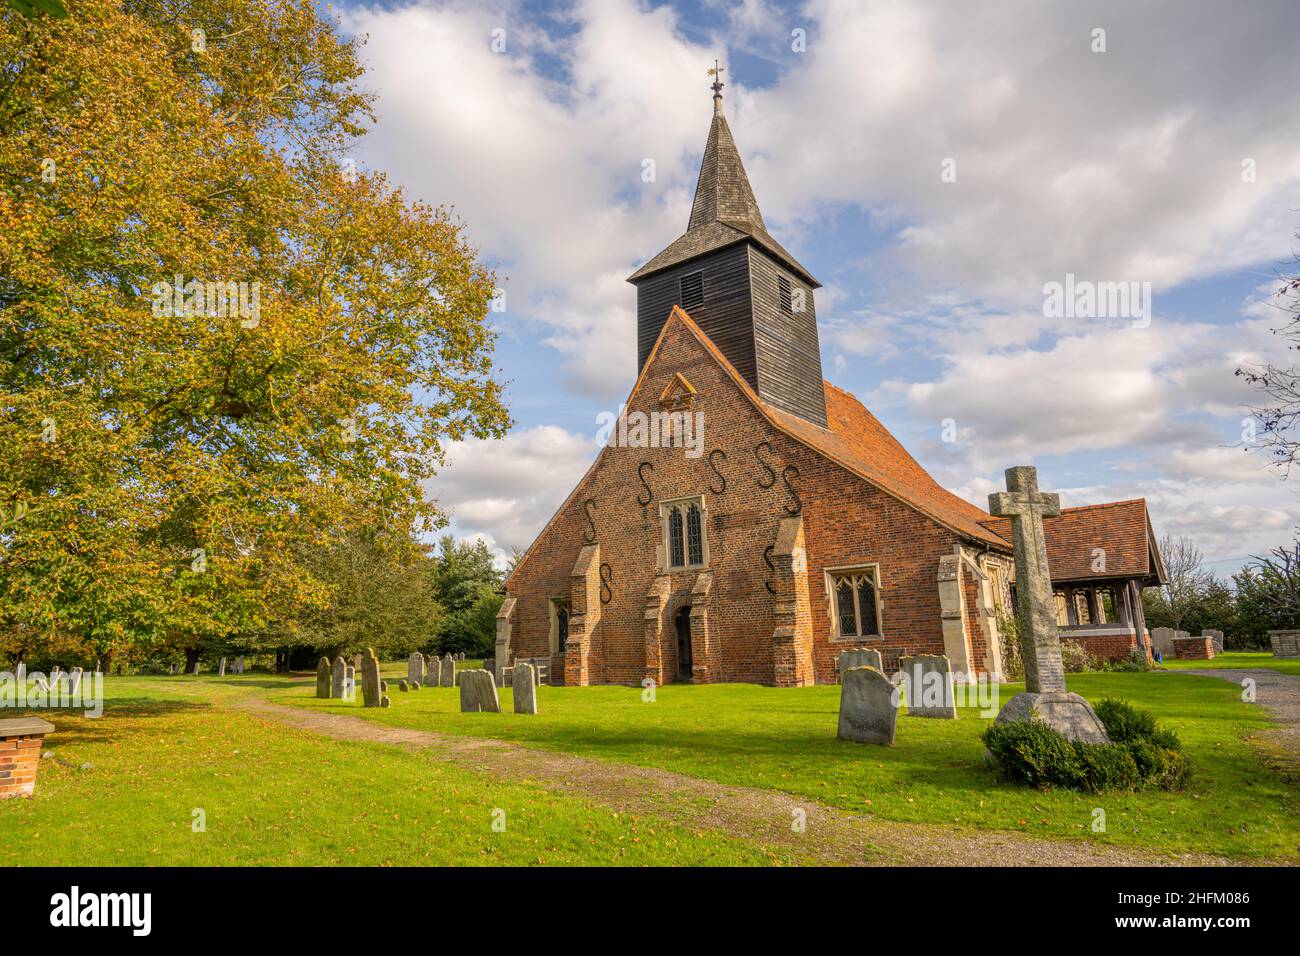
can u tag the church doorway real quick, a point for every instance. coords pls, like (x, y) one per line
(683, 627)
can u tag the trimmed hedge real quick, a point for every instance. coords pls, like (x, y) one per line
(1141, 756)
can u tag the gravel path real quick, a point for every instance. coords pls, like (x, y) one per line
(1279, 694)
(831, 836)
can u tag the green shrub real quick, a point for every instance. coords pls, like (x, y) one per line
(1123, 721)
(1141, 755)
(1034, 753)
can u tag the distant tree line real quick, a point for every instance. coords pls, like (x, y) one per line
(1264, 595)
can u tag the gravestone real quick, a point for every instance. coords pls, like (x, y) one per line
(447, 678)
(372, 691)
(928, 682)
(1284, 643)
(196, 668)
(239, 664)
(74, 680)
(478, 692)
(221, 672)
(350, 684)
(403, 686)
(524, 680)
(323, 678)
(1040, 644)
(415, 668)
(1216, 637)
(860, 658)
(433, 671)
(1162, 641)
(21, 672)
(171, 669)
(868, 707)
(338, 674)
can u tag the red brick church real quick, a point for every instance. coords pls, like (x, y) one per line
(748, 521)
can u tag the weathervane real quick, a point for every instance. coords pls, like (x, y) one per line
(716, 72)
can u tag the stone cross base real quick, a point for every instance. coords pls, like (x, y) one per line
(1066, 713)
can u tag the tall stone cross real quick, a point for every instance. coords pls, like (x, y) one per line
(1040, 644)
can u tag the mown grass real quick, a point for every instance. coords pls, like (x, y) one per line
(1240, 660)
(784, 739)
(166, 747)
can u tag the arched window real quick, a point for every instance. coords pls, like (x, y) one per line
(676, 553)
(562, 627)
(685, 541)
(856, 604)
(694, 539)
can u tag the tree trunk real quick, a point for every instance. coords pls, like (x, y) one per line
(191, 658)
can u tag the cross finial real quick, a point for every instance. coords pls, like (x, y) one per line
(716, 72)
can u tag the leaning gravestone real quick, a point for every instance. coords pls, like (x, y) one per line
(372, 692)
(1216, 637)
(860, 658)
(525, 688)
(868, 707)
(415, 668)
(338, 674)
(74, 680)
(478, 692)
(323, 678)
(222, 671)
(928, 682)
(448, 676)
(1040, 645)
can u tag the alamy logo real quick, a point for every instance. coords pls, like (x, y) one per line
(664, 429)
(1082, 299)
(103, 909)
(216, 300)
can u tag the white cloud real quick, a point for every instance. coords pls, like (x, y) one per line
(505, 491)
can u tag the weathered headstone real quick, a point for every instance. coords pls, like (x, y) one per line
(196, 668)
(221, 672)
(1162, 641)
(927, 679)
(338, 674)
(372, 692)
(415, 668)
(860, 658)
(1040, 644)
(403, 686)
(524, 681)
(447, 678)
(74, 680)
(239, 664)
(171, 669)
(868, 707)
(323, 678)
(1216, 637)
(1284, 643)
(350, 684)
(478, 692)
(433, 671)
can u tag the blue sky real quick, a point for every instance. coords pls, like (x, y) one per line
(1115, 157)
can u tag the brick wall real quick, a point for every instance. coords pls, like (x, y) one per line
(1112, 647)
(1193, 648)
(20, 755)
(846, 521)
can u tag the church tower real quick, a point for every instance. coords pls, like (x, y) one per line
(745, 291)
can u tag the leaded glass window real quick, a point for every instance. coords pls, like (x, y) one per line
(677, 554)
(694, 537)
(685, 545)
(857, 611)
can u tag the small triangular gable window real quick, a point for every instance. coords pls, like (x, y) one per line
(678, 393)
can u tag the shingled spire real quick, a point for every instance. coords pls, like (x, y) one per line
(744, 290)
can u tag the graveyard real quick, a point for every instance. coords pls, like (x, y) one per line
(124, 789)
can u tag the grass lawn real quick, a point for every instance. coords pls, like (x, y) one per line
(784, 739)
(272, 795)
(1241, 660)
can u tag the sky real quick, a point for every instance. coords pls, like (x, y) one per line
(936, 166)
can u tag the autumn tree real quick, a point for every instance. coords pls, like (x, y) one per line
(1188, 582)
(218, 337)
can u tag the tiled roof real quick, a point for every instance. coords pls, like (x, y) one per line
(724, 211)
(1122, 529)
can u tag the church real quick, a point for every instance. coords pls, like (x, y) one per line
(776, 522)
